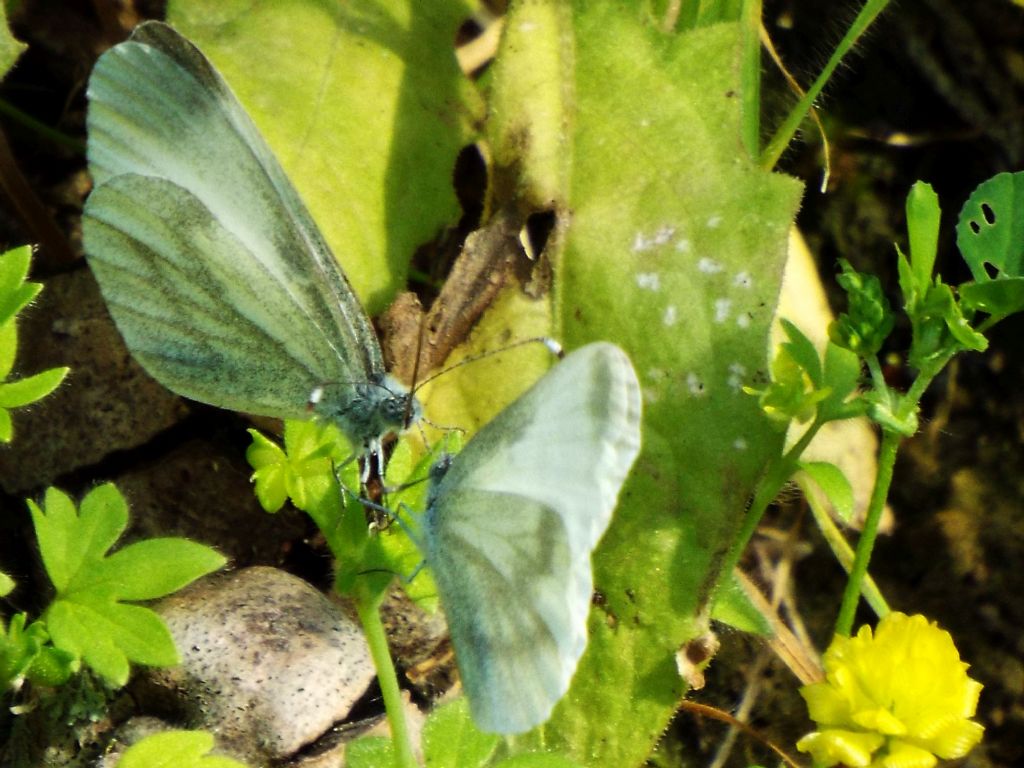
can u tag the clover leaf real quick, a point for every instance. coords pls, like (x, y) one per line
(176, 749)
(92, 616)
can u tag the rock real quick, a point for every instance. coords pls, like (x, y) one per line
(107, 403)
(268, 663)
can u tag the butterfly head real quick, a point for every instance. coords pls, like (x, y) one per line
(398, 407)
(367, 411)
(438, 470)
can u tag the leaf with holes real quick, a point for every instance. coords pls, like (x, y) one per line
(990, 230)
(990, 235)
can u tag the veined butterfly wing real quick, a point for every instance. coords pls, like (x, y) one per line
(212, 267)
(510, 526)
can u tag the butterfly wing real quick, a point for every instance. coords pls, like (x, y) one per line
(203, 327)
(511, 526)
(236, 241)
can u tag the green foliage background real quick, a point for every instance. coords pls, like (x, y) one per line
(670, 241)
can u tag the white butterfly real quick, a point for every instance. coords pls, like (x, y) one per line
(212, 268)
(511, 523)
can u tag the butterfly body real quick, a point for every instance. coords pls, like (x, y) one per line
(371, 408)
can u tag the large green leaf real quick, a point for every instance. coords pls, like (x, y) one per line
(674, 250)
(365, 107)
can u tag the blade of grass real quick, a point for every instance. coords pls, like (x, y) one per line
(784, 135)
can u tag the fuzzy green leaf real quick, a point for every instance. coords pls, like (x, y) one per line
(152, 568)
(733, 607)
(14, 394)
(107, 635)
(303, 470)
(7, 584)
(10, 48)
(536, 760)
(674, 250)
(176, 749)
(18, 648)
(270, 467)
(8, 347)
(451, 740)
(366, 108)
(842, 376)
(923, 217)
(15, 293)
(370, 752)
(69, 541)
(52, 666)
(314, 451)
(25, 652)
(833, 483)
(803, 352)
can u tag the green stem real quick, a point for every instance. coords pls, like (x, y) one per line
(921, 383)
(866, 543)
(750, 91)
(886, 461)
(840, 547)
(767, 489)
(785, 133)
(369, 616)
(41, 129)
(875, 371)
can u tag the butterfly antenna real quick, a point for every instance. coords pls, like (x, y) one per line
(552, 346)
(415, 376)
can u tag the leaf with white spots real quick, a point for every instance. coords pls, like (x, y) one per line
(674, 250)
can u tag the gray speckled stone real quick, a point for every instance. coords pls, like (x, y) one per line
(106, 404)
(268, 663)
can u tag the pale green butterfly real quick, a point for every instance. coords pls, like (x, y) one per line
(510, 525)
(213, 269)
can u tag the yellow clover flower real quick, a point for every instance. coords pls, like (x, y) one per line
(897, 699)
